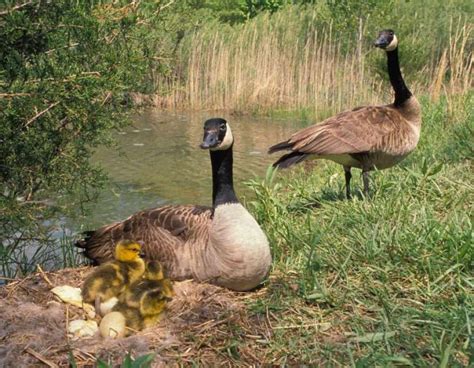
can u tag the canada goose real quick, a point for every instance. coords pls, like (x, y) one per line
(367, 137)
(222, 244)
(110, 279)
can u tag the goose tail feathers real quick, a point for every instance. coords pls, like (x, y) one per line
(282, 146)
(290, 159)
(92, 249)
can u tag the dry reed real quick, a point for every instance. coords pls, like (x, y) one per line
(279, 63)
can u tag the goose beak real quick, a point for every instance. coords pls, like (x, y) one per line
(142, 254)
(210, 140)
(381, 42)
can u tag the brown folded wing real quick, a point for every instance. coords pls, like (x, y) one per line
(161, 230)
(365, 129)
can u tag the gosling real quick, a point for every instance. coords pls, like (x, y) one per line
(142, 304)
(153, 282)
(149, 295)
(111, 279)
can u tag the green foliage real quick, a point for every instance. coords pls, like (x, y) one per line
(238, 11)
(64, 68)
(158, 35)
(143, 361)
(393, 273)
(349, 15)
(71, 359)
(225, 11)
(253, 7)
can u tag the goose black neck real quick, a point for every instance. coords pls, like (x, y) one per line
(402, 93)
(222, 178)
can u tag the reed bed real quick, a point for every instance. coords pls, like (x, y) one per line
(287, 62)
(452, 72)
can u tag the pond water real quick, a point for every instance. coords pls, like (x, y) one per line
(159, 161)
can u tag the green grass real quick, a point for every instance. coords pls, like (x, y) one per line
(143, 361)
(390, 277)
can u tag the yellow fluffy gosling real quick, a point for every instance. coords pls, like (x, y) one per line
(112, 278)
(141, 304)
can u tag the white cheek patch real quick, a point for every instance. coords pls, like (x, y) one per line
(226, 142)
(392, 45)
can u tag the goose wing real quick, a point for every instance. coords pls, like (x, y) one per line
(161, 230)
(364, 129)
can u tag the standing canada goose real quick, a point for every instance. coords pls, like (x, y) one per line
(367, 137)
(222, 244)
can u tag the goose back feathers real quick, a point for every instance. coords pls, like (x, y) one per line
(163, 232)
(385, 134)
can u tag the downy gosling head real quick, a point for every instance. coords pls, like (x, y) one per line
(155, 280)
(128, 251)
(154, 271)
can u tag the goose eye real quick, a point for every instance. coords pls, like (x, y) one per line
(222, 127)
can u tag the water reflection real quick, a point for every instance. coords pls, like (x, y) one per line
(159, 161)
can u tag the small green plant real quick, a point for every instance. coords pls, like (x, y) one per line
(143, 361)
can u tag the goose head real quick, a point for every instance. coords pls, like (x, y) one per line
(387, 40)
(217, 135)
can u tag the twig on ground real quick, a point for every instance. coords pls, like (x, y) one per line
(7, 278)
(11, 95)
(43, 275)
(41, 358)
(321, 325)
(15, 285)
(16, 7)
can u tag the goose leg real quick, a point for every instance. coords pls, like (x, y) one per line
(365, 178)
(348, 175)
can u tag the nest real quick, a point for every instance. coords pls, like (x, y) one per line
(202, 325)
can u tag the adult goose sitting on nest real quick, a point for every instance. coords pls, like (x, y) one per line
(223, 244)
(369, 137)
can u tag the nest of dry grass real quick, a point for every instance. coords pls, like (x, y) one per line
(201, 325)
